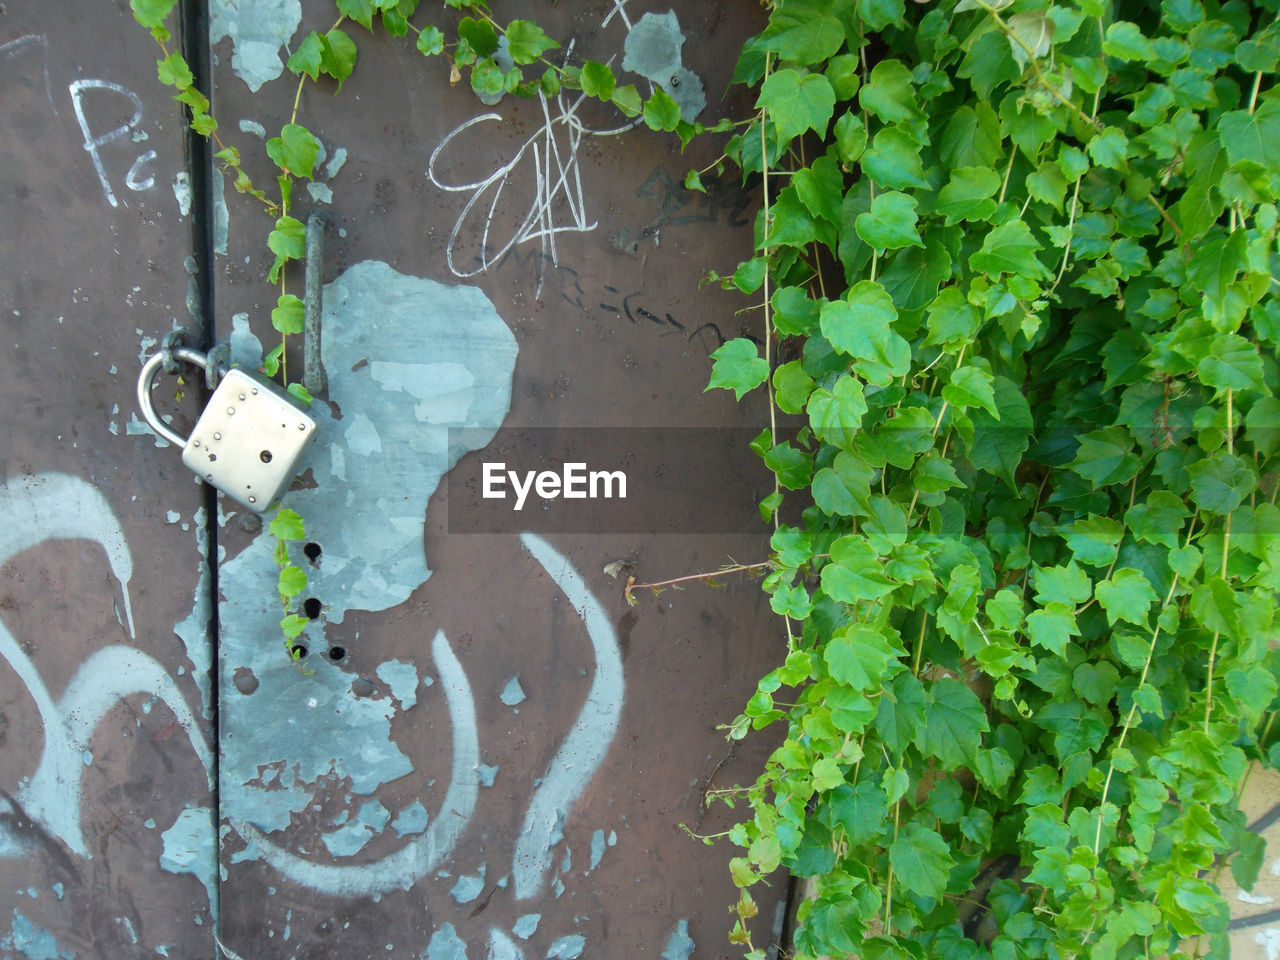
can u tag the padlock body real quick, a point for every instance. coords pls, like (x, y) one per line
(249, 440)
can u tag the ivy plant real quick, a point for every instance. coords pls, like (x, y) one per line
(1018, 264)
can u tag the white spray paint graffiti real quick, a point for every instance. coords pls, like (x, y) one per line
(56, 506)
(652, 50)
(136, 179)
(26, 44)
(588, 741)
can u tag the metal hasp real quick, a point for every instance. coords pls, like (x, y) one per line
(249, 440)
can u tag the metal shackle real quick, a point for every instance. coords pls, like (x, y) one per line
(146, 381)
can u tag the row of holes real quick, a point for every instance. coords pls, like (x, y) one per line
(312, 607)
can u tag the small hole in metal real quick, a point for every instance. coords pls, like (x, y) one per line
(313, 551)
(265, 456)
(675, 81)
(297, 651)
(337, 653)
(213, 457)
(311, 607)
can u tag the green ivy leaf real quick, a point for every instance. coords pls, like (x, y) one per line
(998, 445)
(854, 573)
(921, 861)
(598, 80)
(1125, 41)
(430, 41)
(859, 326)
(480, 35)
(661, 112)
(806, 40)
(1252, 136)
(1220, 483)
(293, 580)
(307, 58)
(339, 58)
(797, 101)
(836, 414)
(889, 92)
(893, 160)
(152, 14)
(738, 367)
(294, 151)
(287, 525)
(791, 386)
(293, 624)
(891, 223)
(1126, 595)
(950, 319)
(174, 72)
(851, 137)
(361, 11)
(859, 656)
(954, 724)
(526, 41)
(1106, 457)
(970, 386)
(967, 196)
(1009, 249)
(288, 241)
(289, 314)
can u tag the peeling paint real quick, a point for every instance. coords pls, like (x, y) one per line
(320, 192)
(597, 849)
(402, 678)
(221, 216)
(567, 948)
(652, 50)
(32, 942)
(513, 693)
(412, 819)
(679, 945)
(189, 847)
(335, 162)
(446, 945)
(501, 947)
(182, 192)
(468, 887)
(258, 29)
(526, 926)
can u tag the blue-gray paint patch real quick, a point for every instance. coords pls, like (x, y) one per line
(33, 942)
(446, 945)
(597, 849)
(412, 819)
(402, 678)
(513, 693)
(373, 560)
(525, 927)
(320, 192)
(501, 947)
(246, 349)
(679, 945)
(468, 887)
(194, 631)
(258, 29)
(567, 948)
(335, 162)
(486, 774)
(652, 49)
(189, 847)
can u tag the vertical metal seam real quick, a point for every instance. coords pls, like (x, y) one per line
(194, 21)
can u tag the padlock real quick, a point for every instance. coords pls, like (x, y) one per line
(250, 438)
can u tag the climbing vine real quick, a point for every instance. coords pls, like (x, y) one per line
(1016, 262)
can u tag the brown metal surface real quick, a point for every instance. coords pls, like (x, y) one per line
(102, 724)
(586, 781)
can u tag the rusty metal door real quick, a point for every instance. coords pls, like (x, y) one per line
(106, 695)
